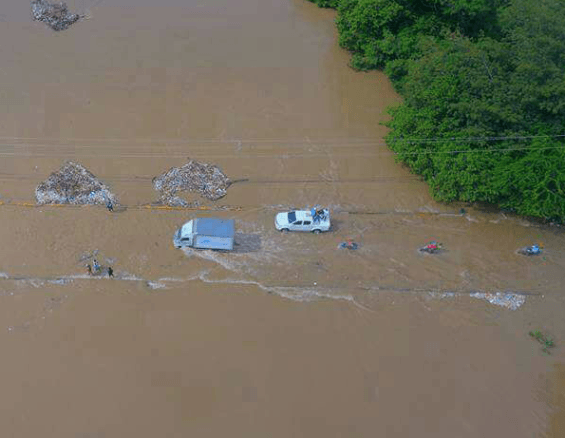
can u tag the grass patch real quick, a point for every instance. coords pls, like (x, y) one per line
(545, 340)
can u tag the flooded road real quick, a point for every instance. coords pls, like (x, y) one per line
(288, 335)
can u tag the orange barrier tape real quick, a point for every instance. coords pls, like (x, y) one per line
(148, 207)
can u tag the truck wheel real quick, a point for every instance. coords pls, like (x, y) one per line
(316, 231)
(284, 230)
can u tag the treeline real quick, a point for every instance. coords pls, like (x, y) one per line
(483, 82)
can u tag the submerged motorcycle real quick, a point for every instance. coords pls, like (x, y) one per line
(530, 250)
(349, 244)
(432, 248)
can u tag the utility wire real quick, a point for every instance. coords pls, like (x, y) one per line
(265, 155)
(5, 176)
(479, 150)
(471, 139)
(304, 140)
(238, 143)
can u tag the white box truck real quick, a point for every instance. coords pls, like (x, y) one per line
(206, 233)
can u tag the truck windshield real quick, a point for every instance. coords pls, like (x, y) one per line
(291, 217)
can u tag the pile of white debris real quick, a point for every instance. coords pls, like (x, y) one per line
(510, 300)
(207, 180)
(55, 15)
(73, 184)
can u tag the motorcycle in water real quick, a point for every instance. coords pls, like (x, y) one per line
(432, 248)
(530, 250)
(349, 244)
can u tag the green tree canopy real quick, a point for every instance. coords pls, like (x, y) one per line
(483, 83)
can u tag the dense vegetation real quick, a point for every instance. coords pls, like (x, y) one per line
(483, 81)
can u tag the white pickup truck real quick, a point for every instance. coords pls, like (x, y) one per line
(312, 220)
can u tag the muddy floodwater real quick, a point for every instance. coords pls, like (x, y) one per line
(287, 336)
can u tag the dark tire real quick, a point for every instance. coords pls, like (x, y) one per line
(316, 231)
(285, 230)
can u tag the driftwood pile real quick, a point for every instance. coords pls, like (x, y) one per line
(73, 184)
(55, 15)
(208, 180)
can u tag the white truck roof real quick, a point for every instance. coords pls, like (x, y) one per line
(215, 227)
(209, 227)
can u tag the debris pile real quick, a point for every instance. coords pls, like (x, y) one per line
(206, 179)
(511, 301)
(73, 184)
(55, 15)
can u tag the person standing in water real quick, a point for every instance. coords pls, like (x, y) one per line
(110, 272)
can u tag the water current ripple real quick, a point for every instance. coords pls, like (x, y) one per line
(301, 292)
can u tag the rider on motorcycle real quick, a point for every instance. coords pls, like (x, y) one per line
(432, 246)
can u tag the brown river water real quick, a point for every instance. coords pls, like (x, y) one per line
(288, 336)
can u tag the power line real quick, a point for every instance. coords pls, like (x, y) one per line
(184, 155)
(472, 139)
(479, 150)
(140, 178)
(188, 146)
(267, 155)
(303, 140)
(250, 143)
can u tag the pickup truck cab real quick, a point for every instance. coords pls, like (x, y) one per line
(315, 221)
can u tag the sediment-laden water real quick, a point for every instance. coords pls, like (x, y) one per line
(289, 335)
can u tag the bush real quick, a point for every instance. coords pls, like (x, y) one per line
(326, 3)
(484, 89)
